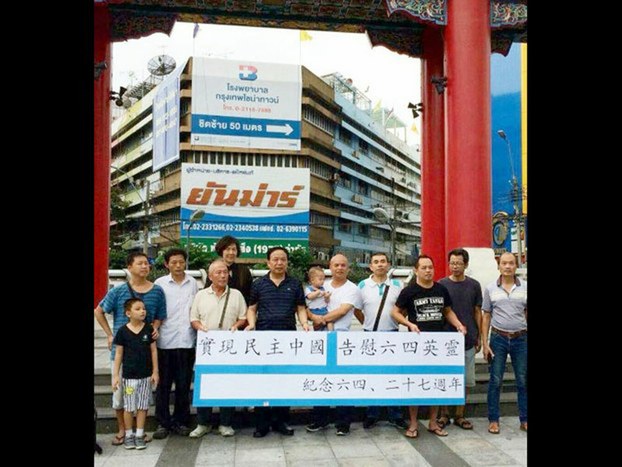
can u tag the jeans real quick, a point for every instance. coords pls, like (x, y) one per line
(501, 347)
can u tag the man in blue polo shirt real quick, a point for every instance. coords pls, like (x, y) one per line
(273, 302)
(505, 314)
(155, 302)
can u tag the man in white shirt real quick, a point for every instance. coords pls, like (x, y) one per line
(373, 318)
(175, 346)
(345, 296)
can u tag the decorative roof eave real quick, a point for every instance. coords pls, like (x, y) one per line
(503, 13)
(128, 24)
(406, 41)
(508, 13)
(423, 11)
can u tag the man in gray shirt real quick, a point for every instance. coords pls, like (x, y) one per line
(466, 299)
(505, 315)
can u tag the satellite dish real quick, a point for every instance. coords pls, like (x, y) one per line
(381, 214)
(161, 65)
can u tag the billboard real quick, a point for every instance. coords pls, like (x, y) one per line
(245, 104)
(260, 206)
(166, 121)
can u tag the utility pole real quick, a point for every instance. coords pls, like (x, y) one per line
(146, 218)
(393, 224)
(517, 201)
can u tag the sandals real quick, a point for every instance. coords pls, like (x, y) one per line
(438, 431)
(414, 433)
(493, 428)
(463, 423)
(443, 421)
(119, 440)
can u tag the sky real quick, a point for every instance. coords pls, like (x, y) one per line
(380, 74)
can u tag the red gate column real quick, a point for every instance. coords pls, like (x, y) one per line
(468, 145)
(101, 153)
(433, 154)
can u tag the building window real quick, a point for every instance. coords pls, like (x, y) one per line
(345, 226)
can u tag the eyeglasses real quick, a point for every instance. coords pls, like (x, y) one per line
(456, 264)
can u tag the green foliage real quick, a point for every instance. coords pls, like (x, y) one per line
(299, 263)
(116, 258)
(357, 273)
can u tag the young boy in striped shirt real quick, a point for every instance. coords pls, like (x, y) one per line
(136, 350)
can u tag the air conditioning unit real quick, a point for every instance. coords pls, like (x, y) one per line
(355, 154)
(357, 199)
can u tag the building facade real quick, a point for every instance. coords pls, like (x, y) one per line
(356, 159)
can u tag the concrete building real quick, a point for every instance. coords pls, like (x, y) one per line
(354, 152)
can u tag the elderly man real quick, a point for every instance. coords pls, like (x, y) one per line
(275, 299)
(505, 315)
(345, 297)
(217, 307)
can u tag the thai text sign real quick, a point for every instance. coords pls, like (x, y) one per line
(260, 206)
(245, 104)
(283, 368)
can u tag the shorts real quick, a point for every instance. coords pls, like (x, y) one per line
(117, 396)
(469, 367)
(136, 394)
(319, 311)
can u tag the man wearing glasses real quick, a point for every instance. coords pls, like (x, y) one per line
(466, 299)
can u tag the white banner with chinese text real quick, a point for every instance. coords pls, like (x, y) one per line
(291, 368)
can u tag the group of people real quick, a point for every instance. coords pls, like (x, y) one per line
(154, 332)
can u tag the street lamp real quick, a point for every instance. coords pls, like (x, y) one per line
(196, 215)
(382, 215)
(516, 201)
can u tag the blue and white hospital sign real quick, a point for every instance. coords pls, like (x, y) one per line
(245, 104)
(283, 368)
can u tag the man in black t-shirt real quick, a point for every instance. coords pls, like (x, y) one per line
(427, 305)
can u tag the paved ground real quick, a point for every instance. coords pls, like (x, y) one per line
(383, 445)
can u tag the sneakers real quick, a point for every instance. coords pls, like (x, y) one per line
(313, 427)
(399, 423)
(199, 431)
(369, 422)
(130, 442)
(181, 430)
(343, 430)
(160, 433)
(225, 430)
(140, 442)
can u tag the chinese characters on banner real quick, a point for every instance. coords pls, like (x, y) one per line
(273, 368)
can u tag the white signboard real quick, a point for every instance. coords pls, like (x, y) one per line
(245, 104)
(281, 368)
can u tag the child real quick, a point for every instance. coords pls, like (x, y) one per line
(317, 297)
(136, 349)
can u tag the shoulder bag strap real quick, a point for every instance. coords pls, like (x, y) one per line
(131, 290)
(224, 308)
(384, 299)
